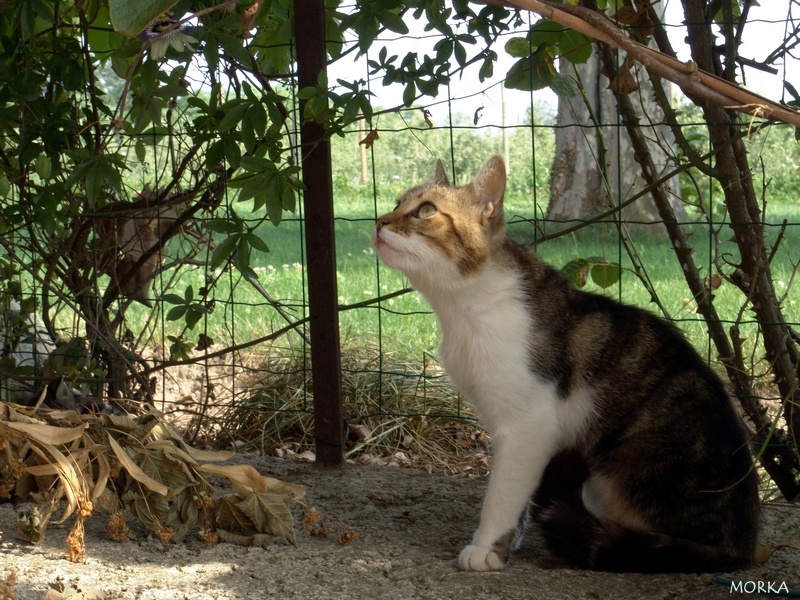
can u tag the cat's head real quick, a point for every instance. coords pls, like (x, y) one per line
(443, 234)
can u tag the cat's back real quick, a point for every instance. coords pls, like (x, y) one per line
(581, 339)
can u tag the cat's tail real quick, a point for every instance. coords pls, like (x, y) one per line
(583, 540)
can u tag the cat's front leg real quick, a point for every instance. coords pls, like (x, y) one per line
(520, 458)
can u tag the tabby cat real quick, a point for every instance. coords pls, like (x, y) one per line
(608, 428)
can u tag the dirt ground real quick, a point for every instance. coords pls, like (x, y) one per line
(410, 527)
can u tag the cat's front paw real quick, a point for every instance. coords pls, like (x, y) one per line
(480, 558)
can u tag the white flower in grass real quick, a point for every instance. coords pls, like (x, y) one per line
(165, 33)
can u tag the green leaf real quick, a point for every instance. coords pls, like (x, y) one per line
(176, 313)
(234, 112)
(258, 117)
(518, 47)
(409, 94)
(132, 16)
(791, 89)
(606, 274)
(248, 133)
(257, 243)
(274, 206)
(141, 151)
(393, 22)
(487, 68)
(575, 47)
(532, 73)
(222, 226)
(223, 251)
(257, 164)
(193, 316)
(172, 298)
(242, 254)
(545, 32)
(233, 46)
(576, 271)
(563, 86)
(215, 154)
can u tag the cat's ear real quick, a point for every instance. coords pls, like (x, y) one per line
(490, 185)
(440, 176)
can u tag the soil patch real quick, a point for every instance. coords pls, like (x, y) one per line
(410, 525)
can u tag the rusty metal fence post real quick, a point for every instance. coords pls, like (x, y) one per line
(320, 245)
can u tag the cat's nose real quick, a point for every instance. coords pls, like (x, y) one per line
(381, 222)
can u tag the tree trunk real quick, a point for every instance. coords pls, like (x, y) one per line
(594, 167)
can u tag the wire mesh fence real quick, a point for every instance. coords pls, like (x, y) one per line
(214, 329)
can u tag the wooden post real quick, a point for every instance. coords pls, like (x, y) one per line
(320, 245)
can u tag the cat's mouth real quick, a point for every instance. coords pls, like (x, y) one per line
(380, 243)
(384, 248)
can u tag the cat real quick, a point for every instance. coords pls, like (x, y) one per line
(608, 429)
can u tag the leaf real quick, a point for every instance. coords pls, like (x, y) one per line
(134, 470)
(545, 32)
(66, 474)
(246, 479)
(130, 17)
(563, 86)
(791, 89)
(219, 226)
(270, 514)
(148, 509)
(625, 81)
(518, 47)
(605, 275)
(577, 271)
(168, 448)
(209, 455)
(49, 434)
(532, 73)
(204, 342)
(409, 93)
(255, 539)
(230, 517)
(103, 473)
(256, 243)
(233, 115)
(393, 22)
(575, 47)
(223, 251)
(369, 139)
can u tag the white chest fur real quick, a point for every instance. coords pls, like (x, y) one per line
(486, 341)
(488, 335)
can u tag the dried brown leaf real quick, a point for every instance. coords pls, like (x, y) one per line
(163, 464)
(123, 422)
(13, 415)
(70, 478)
(246, 479)
(255, 539)
(231, 518)
(149, 509)
(369, 139)
(270, 514)
(49, 434)
(103, 473)
(134, 470)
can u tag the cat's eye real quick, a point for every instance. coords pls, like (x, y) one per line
(423, 211)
